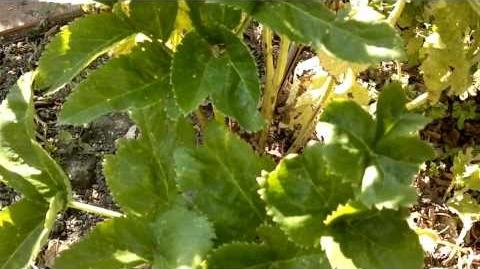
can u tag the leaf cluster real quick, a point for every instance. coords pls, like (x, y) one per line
(191, 205)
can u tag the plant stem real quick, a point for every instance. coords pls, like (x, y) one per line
(243, 25)
(281, 65)
(306, 130)
(267, 110)
(202, 120)
(94, 209)
(418, 102)
(396, 12)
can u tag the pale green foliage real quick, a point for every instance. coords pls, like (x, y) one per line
(466, 174)
(449, 53)
(466, 177)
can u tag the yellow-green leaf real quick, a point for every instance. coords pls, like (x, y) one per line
(76, 46)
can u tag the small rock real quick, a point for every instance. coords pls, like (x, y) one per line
(82, 172)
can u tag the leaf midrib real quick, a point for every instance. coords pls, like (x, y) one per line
(231, 178)
(102, 102)
(10, 258)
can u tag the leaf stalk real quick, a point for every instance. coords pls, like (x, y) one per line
(95, 210)
(396, 12)
(274, 77)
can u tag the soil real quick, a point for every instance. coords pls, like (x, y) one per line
(80, 151)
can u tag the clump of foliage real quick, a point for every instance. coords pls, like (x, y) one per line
(341, 203)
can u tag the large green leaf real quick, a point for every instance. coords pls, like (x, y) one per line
(392, 149)
(130, 81)
(311, 22)
(303, 190)
(145, 167)
(183, 239)
(76, 46)
(24, 164)
(171, 239)
(116, 243)
(378, 240)
(275, 251)
(24, 229)
(219, 178)
(155, 18)
(225, 71)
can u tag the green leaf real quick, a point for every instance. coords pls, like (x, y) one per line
(204, 15)
(239, 255)
(24, 229)
(351, 119)
(155, 18)
(183, 238)
(192, 61)
(392, 116)
(145, 167)
(113, 244)
(219, 178)
(378, 239)
(310, 22)
(276, 251)
(24, 164)
(390, 144)
(76, 46)
(225, 71)
(302, 191)
(465, 206)
(128, 82)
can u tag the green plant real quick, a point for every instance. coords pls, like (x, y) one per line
(339, 204)
(464, 111)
